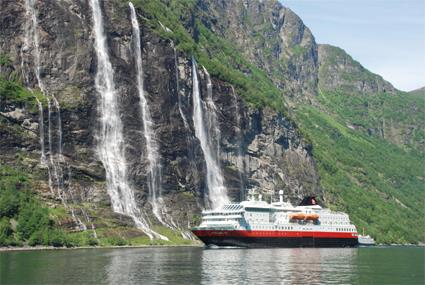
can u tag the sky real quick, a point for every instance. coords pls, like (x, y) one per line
(385, 36)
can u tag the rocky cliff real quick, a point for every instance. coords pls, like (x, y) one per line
(259, 148)
(275, 111)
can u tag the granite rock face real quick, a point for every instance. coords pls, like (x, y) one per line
(259, 148)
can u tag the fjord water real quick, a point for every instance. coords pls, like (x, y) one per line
(193, 265)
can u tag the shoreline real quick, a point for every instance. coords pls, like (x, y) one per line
(42, 248)
(48, 248)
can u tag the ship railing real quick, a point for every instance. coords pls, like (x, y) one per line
(222, 211)
(222, 217)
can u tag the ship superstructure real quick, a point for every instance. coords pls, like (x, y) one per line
(256, 223)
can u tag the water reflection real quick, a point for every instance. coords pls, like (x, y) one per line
(278, 266)
(215, 266)
(154, 266)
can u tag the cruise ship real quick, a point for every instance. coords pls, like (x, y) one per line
(256, 223)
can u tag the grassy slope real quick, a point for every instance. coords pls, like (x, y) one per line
(377, 183)
(378, 179)
(400, 115)
(367, 102)
(418, 93)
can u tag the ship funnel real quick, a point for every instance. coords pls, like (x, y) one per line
(281, 196)
(260, 197)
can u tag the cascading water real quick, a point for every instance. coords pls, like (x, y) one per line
(41, 131)
(240, 162)
(54, 166)
(30, 41)
(186, 125)
(217, 192)
(53, 172)
(213, 129)
(111, 140)
(154, 166)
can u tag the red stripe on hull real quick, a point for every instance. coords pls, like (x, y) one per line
(273, 234)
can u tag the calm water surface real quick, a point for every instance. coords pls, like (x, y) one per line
(392, 265)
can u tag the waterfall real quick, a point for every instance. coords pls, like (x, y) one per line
(152, 148)
(52, 170)
(217, 192)
(54, 166)
(31, 40)
(176, 65)
(240, 161)
(212, 125)
(41, 131)
(111, 139)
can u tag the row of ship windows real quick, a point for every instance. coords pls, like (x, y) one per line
(291, 228)
(274, 228)
(344, 230)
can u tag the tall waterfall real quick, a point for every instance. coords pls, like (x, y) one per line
(203, 120)
(111, 139)
(152, 148)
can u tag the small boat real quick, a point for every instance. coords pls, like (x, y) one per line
(366, 240)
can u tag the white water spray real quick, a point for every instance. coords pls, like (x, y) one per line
(111, 140)
(217, 192)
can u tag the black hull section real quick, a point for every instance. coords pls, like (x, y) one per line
(264, 242)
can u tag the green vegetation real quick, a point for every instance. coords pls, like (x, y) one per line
(5, 60)
(377, 183)
(399, 115)
(220, 58)
(12, 91)
(23, 219)
(418, 93)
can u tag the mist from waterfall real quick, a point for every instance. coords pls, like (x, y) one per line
(205, 122)
(111, 138)
(152, 149)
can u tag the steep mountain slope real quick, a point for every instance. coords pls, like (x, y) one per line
(368, 103)
(279, 111)
(418, 92)
(52, 133)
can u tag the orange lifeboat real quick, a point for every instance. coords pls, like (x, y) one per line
(312, 217)
(297, 216)
(302, 216)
